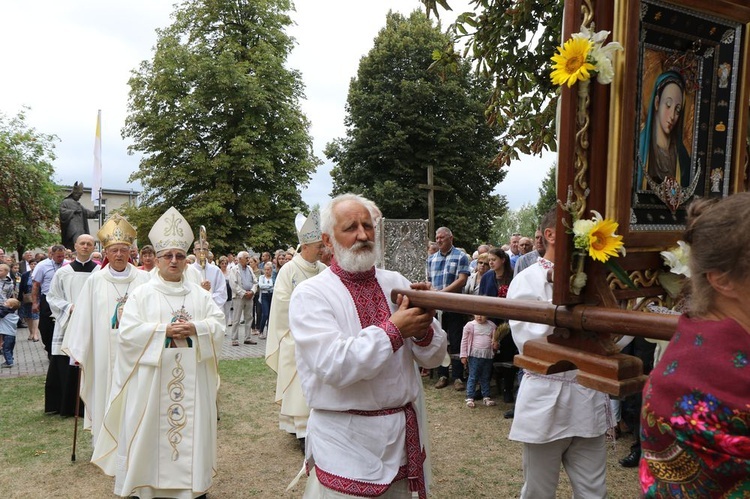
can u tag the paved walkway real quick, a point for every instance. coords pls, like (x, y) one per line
(31, 359)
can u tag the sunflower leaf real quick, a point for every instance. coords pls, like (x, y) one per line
(618, 271)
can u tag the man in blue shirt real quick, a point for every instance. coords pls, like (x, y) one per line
(448, 270)
(42, 278)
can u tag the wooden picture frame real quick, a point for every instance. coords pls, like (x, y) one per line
(704, 44)
(597, 157)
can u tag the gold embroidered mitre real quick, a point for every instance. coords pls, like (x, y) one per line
(171, 231)
(116, 230)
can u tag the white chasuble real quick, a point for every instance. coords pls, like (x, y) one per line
(176, 424)
(280, 356)
(91, 338)
(159, 432)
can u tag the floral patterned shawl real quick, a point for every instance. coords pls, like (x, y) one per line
(695, 421)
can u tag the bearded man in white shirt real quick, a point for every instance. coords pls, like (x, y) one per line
(357, 357)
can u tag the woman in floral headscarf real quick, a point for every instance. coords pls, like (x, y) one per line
(695, 420)
(661, 149)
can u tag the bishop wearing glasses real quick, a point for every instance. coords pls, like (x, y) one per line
(159, 433)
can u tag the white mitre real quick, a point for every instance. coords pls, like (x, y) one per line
(171, 231)
(308, 229)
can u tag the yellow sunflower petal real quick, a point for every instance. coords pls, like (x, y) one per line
(603, 242)
(571, 62)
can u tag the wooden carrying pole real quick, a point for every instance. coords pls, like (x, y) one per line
(582, 338)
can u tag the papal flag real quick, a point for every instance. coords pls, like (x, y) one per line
(96, 185)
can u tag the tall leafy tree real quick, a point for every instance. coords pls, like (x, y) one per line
(547, 192)
(216, 115)
(401, 117)
(521, 221)
(511, 42)
(30, 199)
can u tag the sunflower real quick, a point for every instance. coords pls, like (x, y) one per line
(571, 62)
(603, 242)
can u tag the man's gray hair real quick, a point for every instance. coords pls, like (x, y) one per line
(328, 220)
(243, 254)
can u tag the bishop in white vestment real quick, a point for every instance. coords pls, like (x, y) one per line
(93, 329)
(159, 431)
(280, 357)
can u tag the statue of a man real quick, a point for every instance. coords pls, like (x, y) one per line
(74, 218)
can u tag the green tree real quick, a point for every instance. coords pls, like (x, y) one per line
(401, 117)
(216, 115)
(523, 221)
(511, 42)
(547, 192)
(30, 200)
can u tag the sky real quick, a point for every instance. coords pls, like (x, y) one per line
(65, 60)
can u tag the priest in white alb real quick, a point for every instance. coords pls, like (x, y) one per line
(293, 413)
(159, 431)
(357, 355)
(92, 332)
(61, 387)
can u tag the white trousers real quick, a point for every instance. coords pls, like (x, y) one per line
(314, 490)
(584, 460)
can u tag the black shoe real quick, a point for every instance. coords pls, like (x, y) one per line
(632, 459)
(509, 414)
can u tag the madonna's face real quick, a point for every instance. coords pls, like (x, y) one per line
(669, 107)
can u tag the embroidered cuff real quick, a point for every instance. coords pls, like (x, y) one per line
(397, 341)
(426, 339)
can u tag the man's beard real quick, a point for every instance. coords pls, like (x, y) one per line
(359, 258)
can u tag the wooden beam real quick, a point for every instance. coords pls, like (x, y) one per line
(581, 339)
(578, 317)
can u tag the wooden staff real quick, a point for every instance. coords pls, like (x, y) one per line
(75, 413)
(582, 338)
(578, 317)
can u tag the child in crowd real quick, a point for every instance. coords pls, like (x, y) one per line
(8, 325)
(476, 351)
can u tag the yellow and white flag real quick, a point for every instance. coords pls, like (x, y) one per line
(96, 185)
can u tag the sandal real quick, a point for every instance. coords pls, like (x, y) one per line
(470, 403)
(235, 343)
(488, 402)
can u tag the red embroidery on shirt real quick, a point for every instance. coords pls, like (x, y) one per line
(397, 341)
(373, 310)
(427, 338)
(372, 307)
(415, 455)
(355, 487)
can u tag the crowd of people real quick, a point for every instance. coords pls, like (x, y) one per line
(488, 271)
(348, 360)
(80, 304)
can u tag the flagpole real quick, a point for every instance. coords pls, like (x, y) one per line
(96, 187)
